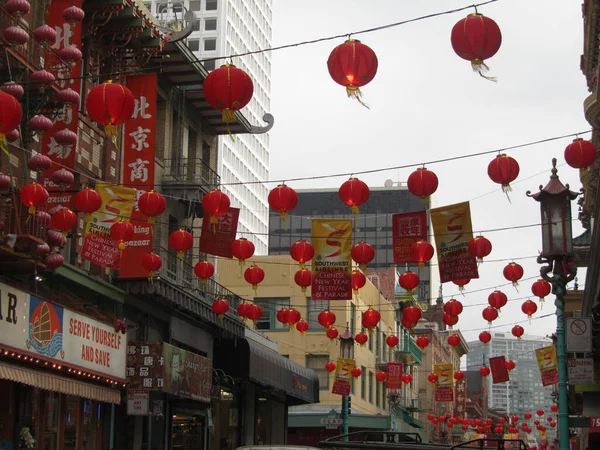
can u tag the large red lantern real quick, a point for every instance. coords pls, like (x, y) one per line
(181, 241)
(283, 315)
(476, 38)
(302, 251)
(358, 281)
(283, 199)
(370, 319)
(254, 311)
(354, 193)
(152, 263)
(326, 318)
(87, 201)
(330, 366)
(485, 337)
(392, 341)
(513, 272)
(228, 89)
(302, 326)
(293, 317)
(110, 104)
(242, 310)
(453, 307)
(461, 283)
(204, 270)
(509, 364)
(362, 253)
(517, 331)
(303, 278)
(480, 247)
(33, 195)
(216, 203)
(454, 340)
(421, 252)
(580, 154)
(409, 280)
(422, 342)
(152, 204)
(361, 338)
(529, 307)
(121, 232)
(541, 288)
(11, 115)
(497, 299)
(407, 378)
(503, 170)
(254, 275)
(450, 320)
(220, 307)
(332, 333)
(356, 372)
(242, 249)
(484, 371)
(459, 375)
(422, 183)
(490, 314)
(352, 65)
(411, 316)
(381, 376)
(63, 220)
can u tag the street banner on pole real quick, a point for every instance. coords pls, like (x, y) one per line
(499, 370)
(548, 365)
(342, 382)
(444, 391)
(407, 229)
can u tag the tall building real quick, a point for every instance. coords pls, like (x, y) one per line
(224, 28)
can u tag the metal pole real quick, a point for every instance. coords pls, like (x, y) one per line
(345, 416)
(559, 288)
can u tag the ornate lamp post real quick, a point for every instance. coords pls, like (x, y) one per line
(346, 351)
(558, 269)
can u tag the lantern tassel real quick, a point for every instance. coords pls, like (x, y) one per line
(283, 216)
(214, 220)
(541, 303)
(4, 144)
(356, 293)
(110, 132)
(355, 210)
(302, 265)
(354, 92)
(303, 289)
(482, 68)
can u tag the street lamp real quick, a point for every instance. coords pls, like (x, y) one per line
(558, 269)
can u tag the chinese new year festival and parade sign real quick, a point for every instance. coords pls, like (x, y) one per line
(548, 365)
(343, 378)
(444, 391)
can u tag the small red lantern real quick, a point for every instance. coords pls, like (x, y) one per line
(370, 319)
(45, 35)
(216, 203)
(11, 115)
(242, 310)
(68, 96)
(509, 364)
(33, 195)
(330, 366)
(527, 415)
(40, 124)
(54, 261)
(554, 408)
(422, 183)
(39, 163)
(332, 333)
(514, 419)
(453, 307)
(432, 378)
(450, 320)
(541, 288)
(484, 371)
(490, 314)
(407, 378)
(580, 154)
(62, 178)
(12, 88)
(152, 263)
(361, 338)
(326, 319)
(392, 341)
(497, 299)
(254, 275)
(517, 331)
(220, 307)
(461, 283)
(228, 89)
(422, 342)
(529, 307)
(303, 278)
(503, 170)
(485, 337)
(353, 65)
(513, 272)
(476, 38)
(459, 375)
(409, 280)
(253, 311)
(43, 218)
(356, 372)
(17, 8)
(73, 15)
(540, 412)
(362, 253)
(87, 201)
(110, 104)
(302, 326)
(15, 35)
(354, 193)
(381, 376)
(63, 220)
(454, 340)
(283, 199)
(283, 316)
(358, 281)
(13, 135)
(293, 317)
(42, 250)
(302, 251)
(181, 241)
(5, 182)
(71, 55)
(65, 137)
(56, 238)
(152, 204)
(421, 252)
(411, 316)
(242, 249)
(480, 247)
(204, 270)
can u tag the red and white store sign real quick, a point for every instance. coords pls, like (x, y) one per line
(35, 327)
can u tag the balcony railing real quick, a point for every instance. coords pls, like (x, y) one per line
(408, 351)
(188, 171)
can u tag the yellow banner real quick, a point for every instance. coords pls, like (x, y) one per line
(445, 374)
(343, 376)
(548, 365)
(117, 203)
(453, 230)
(332, 263)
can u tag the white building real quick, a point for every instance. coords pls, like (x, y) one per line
(227, 27)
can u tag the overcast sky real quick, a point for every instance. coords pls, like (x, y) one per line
(426, 103)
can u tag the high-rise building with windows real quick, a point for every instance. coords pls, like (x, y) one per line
(223, 28)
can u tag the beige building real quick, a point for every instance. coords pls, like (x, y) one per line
(370, 406)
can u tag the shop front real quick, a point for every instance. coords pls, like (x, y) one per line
(60, 375)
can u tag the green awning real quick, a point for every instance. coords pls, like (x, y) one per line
(93, 283)
(363, 421)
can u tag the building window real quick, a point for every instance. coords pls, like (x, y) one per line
(317, 363)
(268, 321)
(370, 341)
(363, 379)
(194, 5)
(194, 45)
(383, 344)
(377, 343)
(210, 44)
(210, 24)
(211, 5)
(370, 387)
(377, 393)
(209, 65)
(352, 318)
(314, 307)
(196, 25)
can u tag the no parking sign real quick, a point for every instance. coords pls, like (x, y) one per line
(579, 335)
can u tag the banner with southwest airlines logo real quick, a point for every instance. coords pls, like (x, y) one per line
(332, 263)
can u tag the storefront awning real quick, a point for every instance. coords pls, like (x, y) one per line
(57, 383)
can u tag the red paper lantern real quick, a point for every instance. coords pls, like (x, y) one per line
(356, 372)
(352, 65)
(39, 163)
(453, 307)
(362, 254)
(459, 375)
(121, 232)
(422, 342)
(216, 203)
(45, 35)
(381, 376)
(517, 331)
(354, 193)
(485, 337)
(407, 378)
(56, 238)
(65, 137)
(332, 333)
(15, 35)
(204, 270)
(242, 249)
(68, 96)
(254, 275)
(461, 283)
(110, 104)
(454, 340)
(152, 204)
(554, 408)
(450, 320)
(87, 201)
(71, 55)
(152, 263)
(358, 281)
(330, 366)
(302, 326)
(12, 88)
(509, 364)
(220, 307)
(580, 154)
(17, 8)
(411, 316)
(253, 311)
(242, 310)
(503, 170)
(62, 178)
(283, 199)
(513, 272)
(527, 415)
(480, 247)
(484, 371)
(63, 220)
(529, 307)
(40, 124)
(392, 341)
(42, 250)
(283, 316)
(13, 136)
(54, 261)
(181, 241)
(11, 115)
(490, 314)
(540, 412)
(421, 252)
(370, 319)
(326, 318)
(514, 419)
(541, 288)
(33, 195)
(73, 15)
(293, 317)
(476, 38)
(409, 280)
(361, 338)
(432, 378)
(302, 251)
(303, 278)
(228, 89)
(497, 299)
(5, 182)
(422, 183)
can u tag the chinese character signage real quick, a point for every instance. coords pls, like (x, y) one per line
(62, 156)
(444, 391)
(581, 371)
(546, 358)
(499, 370)
(343, 377)
(394, 376)
(460, 398)
(406, 230)
(216, 239)
(41, 329)
(332, 263)
(98, 247)
(453, 231)
(139, 151)
(166, 368)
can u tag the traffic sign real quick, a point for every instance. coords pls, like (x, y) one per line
(579, 335)
(331, 422)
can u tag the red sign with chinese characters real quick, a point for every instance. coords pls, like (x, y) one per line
(217, 239)
(62, 156)
(460, 398)
(139, 151)
(394, 376)
(406, 230)
(499, 370)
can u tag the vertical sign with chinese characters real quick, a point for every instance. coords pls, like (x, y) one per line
(460, 398)
(145, 364)
(499, 370)
(406, 230)
(68, 77)
(444, 387)
(548, 365)
(217, 239)
(139, 151)
(342, 382)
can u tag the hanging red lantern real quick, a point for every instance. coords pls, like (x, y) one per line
(540, 412)
(509, 364)
(15, 35)
(254, 275)
(529, 307)
(450, 320)
(517, 331)
(332, 333)
(361, 338)
(302, 326)
(65, 137)
(484, 371)
(11, 115)
(358, 281)
(12, 88)
(45, 35)
(352, 65)
(514, 419)
(87, 201)
(302, 251)
(490, 314)
(411, 316)
(362, 254)
(392, 341)
(293, 317)
(370, 319)
(485, 337)
(152, 204)
(497, 299)
(121, 232)
(43, 218)
(480, 247)
(354, 193)
(54, 261)
(356, 372)
(527, 415)
(407, 378)
(580, 154)
(62, 178)
(17, 8)
(181, 241)
(73, 15)
(554, 408)
(421, 252)
(422, 183)
(461, 283)
(70, 55)
(422, 342)
(381, 376)
(5, 182)
(39, 124)
(63, 220)
(216, 203)
(228, 89)
(454, 340)
(283, 199)
(409, 280)
(453, 307)
(432, 378)
(33, 195)
(242, 310)
(110, 105)
(326, 319)
(42, 250)
(220, 307)
(330, 366)
(204, 270)
(56, 238)
(541, 289)
(242, 249)
(476, 38)
(503, 170)
(282, 316)
(68, 96)
(459, 375)
(303, 278)
(39, 163)
(13, 135)
(513, 272)
(152, 263)
(254, 311)
(41, 79)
